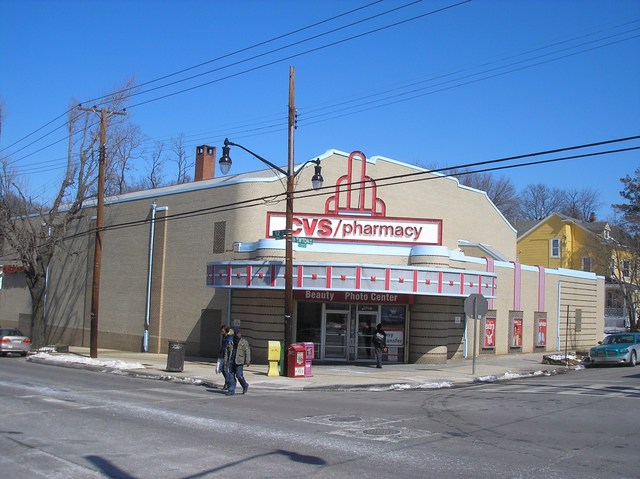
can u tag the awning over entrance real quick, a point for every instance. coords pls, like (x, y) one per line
(352, 277)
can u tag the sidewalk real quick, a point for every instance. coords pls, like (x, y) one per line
(347, 376)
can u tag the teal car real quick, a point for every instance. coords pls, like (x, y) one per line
(619, 348)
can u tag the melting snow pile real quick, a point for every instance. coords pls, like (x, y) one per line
(72, 358)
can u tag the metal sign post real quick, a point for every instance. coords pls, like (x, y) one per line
(475, 307)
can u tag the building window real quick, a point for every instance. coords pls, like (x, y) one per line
(606, 234)
(586, 263)
(626, 268)
(555, 248)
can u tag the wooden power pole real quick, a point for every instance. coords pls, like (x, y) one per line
(97, 257)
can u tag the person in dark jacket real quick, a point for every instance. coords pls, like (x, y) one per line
(379, 343)
(226, 336)
(237, 356)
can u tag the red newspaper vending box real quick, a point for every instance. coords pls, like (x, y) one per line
(295, 361)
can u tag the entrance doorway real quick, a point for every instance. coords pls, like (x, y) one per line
(343, 331)
(367, 318)
(336, 334)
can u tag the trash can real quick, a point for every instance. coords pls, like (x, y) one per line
(175, 356)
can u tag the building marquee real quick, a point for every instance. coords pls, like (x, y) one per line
(344, 277)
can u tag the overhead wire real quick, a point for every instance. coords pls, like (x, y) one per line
(222, 57)
(304, 120)
(383, 182)
(257, 56)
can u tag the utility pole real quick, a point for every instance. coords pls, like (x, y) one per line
(97, 257)
(288, 271)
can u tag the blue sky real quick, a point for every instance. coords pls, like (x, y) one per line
(481, 80)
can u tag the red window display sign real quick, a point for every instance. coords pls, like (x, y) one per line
(517, 333)
(541, 335)
(489, 333)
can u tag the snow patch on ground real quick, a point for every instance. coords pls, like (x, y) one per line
(562, 357)
(508, 376)
(73, 358)
(405, 386)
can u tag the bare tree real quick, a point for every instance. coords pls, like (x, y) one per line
(500, 190)
(629, 237)
(155, 161)
(580, 203)
(537, 201)
(125, 147)
(181, 159)
(33, 233)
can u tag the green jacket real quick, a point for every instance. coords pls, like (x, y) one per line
(243, 354)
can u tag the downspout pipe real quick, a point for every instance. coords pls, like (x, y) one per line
(559, 314)
(147, 313)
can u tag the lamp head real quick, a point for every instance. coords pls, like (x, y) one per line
(317, 180)
(225, 159)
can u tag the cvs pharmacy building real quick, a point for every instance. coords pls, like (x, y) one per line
(392, 244)
(382, 242)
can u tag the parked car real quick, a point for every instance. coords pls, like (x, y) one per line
(13, 341)
(619, 348)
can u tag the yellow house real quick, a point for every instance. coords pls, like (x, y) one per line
(560, 241)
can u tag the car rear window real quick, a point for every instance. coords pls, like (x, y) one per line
(10, 332)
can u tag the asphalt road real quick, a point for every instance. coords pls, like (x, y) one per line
(71, 423)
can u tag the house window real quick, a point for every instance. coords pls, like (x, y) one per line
(586, 263)
(555, 248)
(626, 268)
(606, 234)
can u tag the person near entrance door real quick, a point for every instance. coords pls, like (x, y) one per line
(380, 344)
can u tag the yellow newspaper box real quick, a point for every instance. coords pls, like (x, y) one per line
(273, 356)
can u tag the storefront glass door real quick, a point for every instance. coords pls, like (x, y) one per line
(366, 320)
(336, 332)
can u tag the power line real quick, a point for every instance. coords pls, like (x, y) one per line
(393, 180)
(257, 56)
(222, 57)
(388, 100)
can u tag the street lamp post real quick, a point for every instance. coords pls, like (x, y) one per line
(290, 174)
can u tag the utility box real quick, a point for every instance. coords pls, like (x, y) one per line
(295, 361)
(175, 356)
(309, 353)
(273, 356)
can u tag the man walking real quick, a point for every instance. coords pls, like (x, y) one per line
(237, 356)
(226, 337)
(380, 344)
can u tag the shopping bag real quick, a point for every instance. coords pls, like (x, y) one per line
(219, 365)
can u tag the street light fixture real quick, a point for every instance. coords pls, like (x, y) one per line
(290, 173)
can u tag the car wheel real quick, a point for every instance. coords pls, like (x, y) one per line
(633, 360)
(23, 354)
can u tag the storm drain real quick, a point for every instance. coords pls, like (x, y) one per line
(345, 419)
(382, 432)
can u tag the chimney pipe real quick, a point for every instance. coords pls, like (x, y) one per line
(205, 162)
(592, 217)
